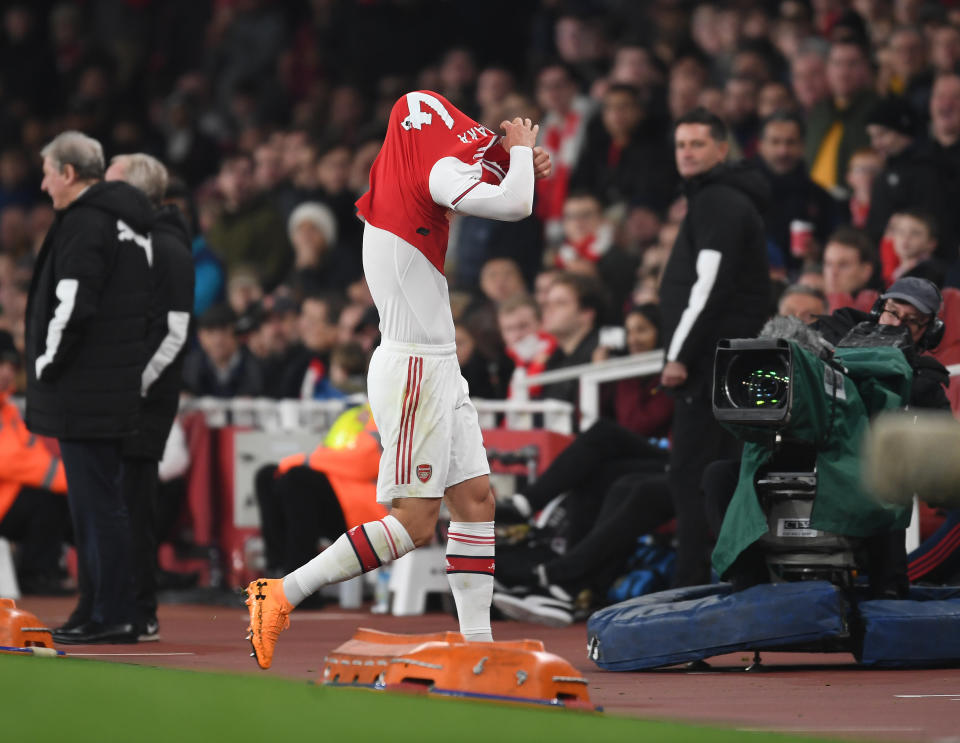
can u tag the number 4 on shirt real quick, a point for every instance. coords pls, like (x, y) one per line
(419, 117)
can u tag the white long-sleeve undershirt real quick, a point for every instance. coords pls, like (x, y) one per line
(457, 185)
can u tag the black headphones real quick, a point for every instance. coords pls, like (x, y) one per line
(932, 334)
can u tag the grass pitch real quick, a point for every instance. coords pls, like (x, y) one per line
(76, 700)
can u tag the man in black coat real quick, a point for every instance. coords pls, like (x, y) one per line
(86, 326)
(715, 285)
(172, 279)
(795, 194)
(910, 176)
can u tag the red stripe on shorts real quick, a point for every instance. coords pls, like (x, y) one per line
(418, 374)
(403, 417)
(363, 548)
(457, 564)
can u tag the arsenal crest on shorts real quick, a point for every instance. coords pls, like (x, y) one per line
(424, 472)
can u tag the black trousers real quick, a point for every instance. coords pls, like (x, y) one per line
(589, 467)
(296, 510)
(140, 496)
(698, 440)
(101, 527)
(635, 505)
(38, 521)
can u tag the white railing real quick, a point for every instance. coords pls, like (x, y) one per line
(283, 416)
(590, 376)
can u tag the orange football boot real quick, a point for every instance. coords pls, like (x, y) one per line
(269, 616)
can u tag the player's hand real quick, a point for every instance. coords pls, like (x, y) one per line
(674, 374)
(522, 132)
(542, 167)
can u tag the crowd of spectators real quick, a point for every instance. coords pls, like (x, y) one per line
(269, 115)
(269, 118)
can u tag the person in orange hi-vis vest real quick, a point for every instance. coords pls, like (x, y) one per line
(307, 497)
(33, 510)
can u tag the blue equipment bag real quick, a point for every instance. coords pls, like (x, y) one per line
(922, 630)
(687, 624)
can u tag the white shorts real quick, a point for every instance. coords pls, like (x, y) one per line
(428, 426)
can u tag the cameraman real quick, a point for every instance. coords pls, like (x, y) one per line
(912, 303)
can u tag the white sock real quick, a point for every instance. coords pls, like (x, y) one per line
(470, 565)
(360, 550)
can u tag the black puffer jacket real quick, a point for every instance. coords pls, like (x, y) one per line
(717, 281)
(86, 318)
(170, 307)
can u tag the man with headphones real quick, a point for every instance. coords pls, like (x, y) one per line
(910, 302)
(914, 302)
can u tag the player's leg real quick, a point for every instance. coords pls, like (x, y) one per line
(470, 555)
(359, 550)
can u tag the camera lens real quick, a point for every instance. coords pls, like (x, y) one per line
(758, 380)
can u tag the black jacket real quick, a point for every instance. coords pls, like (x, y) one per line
(910, 179)
(796, 196)
(169, 322)
(86, 319)
(244, 378)
(716, 283)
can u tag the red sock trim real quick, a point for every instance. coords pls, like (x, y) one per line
(363, 549)
(462, 564)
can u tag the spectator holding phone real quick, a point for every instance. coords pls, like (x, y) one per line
(637, 404)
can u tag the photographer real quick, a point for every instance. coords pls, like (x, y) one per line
(911, 303)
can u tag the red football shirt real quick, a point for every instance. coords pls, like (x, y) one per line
(425, 129)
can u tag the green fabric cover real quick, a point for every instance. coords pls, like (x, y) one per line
(877, 379)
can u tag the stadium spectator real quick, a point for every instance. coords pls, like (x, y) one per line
(320, 262)
(796, 197)
(622, 159)
(849, 262)
(565, 115)
(221, 366)
(803, 302)
(836, 125)
(249, 232)
(639, 405)
(306, 370)
(909, 177)
(862, 171)
(525, 342)
(914, 235)
(572, 314)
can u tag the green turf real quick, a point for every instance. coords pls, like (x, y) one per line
(75, 700)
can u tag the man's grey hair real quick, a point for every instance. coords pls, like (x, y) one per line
(144, 172)
(83, 153)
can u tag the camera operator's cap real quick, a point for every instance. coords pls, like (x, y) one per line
(921, 293)
(8, 350)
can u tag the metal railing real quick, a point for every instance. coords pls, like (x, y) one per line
(590, 377)
(281, 416)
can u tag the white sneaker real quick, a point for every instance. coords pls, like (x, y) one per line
(551, 606)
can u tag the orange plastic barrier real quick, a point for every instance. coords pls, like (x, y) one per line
(22, 633)
(443, 663)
